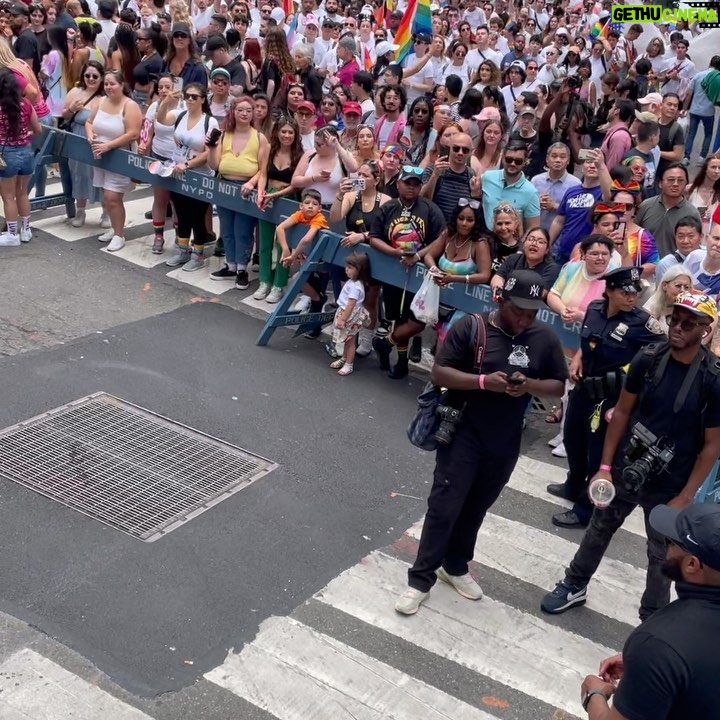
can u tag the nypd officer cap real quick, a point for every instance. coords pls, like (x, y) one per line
(624, 278)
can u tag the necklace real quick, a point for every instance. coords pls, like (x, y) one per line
(493, 322)
(455, 242)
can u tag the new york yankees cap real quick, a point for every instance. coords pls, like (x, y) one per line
(524, 288)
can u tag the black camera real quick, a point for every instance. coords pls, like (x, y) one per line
(449, 419)
(645, 454)
(574, 82)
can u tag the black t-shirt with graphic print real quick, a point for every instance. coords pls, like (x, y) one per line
(496, 418)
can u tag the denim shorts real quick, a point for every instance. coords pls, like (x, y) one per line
(18, 160)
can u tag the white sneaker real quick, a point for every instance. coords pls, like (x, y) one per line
(117, 243)
(8, 240)
(25, 235)
(364, 347)
(105, 221)
(410, 601)
(79, 219)
(700, 160)
(303, 304)
(262, 292)
(464, 584)
(275, 295)
(107, 236)
(560, 451)
(556, 440)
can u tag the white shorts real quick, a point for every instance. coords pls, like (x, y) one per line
(114, 182)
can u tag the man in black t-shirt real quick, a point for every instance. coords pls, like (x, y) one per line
(671, 390)
(670, 664)
(519, 357)
(217, 51)
(403, 228)
(25, 46)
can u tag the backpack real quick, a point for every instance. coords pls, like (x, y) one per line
(422, 428)
(184, 113)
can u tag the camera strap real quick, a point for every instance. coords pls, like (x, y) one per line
(687, 384)
(480, 335)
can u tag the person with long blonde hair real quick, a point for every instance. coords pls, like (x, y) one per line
(278, 68)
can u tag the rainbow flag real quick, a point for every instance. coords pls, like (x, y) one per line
(602, 27)
(367, 60)
(380, 14)
(288, 7)
(417, 18)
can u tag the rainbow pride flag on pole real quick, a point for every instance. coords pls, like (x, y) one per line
(417, 18)
(293, 28)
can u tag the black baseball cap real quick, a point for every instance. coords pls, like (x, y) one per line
(696, 529)
(181, 27)
(216, 42)
(524, 288)
(625, 278)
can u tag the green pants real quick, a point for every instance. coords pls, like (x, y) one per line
(266, 243)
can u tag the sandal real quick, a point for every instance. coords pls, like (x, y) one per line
(555, 416)
(337, 364)
(346, 369)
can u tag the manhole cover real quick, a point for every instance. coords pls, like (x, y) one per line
(125, 466)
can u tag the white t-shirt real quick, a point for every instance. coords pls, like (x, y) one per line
(108, 33)
(351, 290)
(511, 94)
(475, 17)
(308, 141)
(163, 143)
(423, 75)
(191, 142)
(475, 57)
(201, 20)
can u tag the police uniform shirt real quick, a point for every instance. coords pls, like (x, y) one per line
(610, 343)
(672, 662)
(496, 418)
(655, 412)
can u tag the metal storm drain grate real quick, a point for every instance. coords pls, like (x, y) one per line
(125, 466)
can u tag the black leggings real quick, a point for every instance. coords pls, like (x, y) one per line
(191, 214)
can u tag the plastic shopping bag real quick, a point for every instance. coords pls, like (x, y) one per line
(426, 304)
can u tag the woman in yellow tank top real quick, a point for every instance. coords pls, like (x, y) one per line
(238, 158)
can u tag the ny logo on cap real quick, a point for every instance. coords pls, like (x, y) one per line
(535, 291)
(510, 284)
(634, 274)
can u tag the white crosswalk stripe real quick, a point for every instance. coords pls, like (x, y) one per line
(297, 672)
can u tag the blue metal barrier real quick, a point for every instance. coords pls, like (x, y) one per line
(327, 248)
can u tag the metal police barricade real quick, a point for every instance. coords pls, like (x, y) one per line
(326, 249)
(50, 151)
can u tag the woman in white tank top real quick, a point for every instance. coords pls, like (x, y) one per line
(115, 122)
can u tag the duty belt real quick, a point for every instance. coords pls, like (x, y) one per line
(600, 387)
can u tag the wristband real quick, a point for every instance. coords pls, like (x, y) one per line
(605, 468)
(481, 382)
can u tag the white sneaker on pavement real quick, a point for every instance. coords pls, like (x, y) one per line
(8, 240)
(559, 451)
(117, 243)
(556, 440)
(464, 584)
(106, 236)
(105, 221)
(25, 235)
(262, 292)
(275, 295)
(410, 601)
(303, 304)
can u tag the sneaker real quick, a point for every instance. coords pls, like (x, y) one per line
(415, 351)
(194, 263)
(685, 161)
(117, 243)
(700, 160)
(242, 281)
(25, 235)
(225, 273)
(560, 451)
(105, 221)
(262, 292)
(364, 347)
(106, 236)
(562, 598)
(464, 584)
(79, 219)
(8, 240)
(410, 601)
(302, 305)
(316, 306)
(255, 262)
(179, 257)
(556, 440)
(158, 245)
(275, 295)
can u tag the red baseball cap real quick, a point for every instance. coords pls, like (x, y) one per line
(352, 107)
(306, 105)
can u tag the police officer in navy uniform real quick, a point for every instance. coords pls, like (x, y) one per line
(613, 331)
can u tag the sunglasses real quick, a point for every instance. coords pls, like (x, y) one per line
(686, 325)
(464, 149)
(459, 53)
(469, 202)
(220, 81)
(180, 36)
(504, 208)
(514, 161)
(91, 76)
(265, 12)
(192, 96)
(382, 37)
(348, 24)
(412, 170)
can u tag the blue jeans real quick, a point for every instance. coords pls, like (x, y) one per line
(18, 161)
(238, 233)
(707, 123)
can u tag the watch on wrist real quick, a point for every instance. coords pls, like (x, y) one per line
(588, 694)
